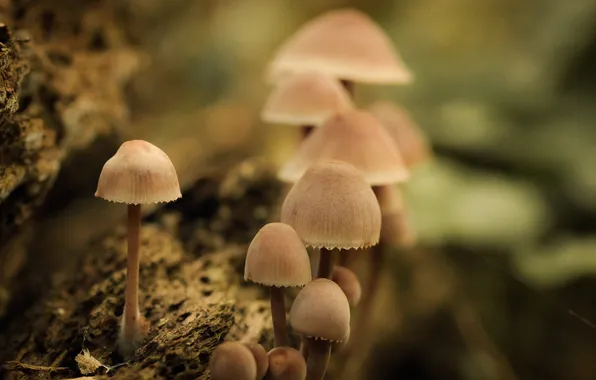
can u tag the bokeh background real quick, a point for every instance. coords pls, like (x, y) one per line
(502, 283)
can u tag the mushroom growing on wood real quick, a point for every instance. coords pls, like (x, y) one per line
(320, 313)
(233, 361)
(305, 99)
(277, 258)
(139, 173)
(343, 43)
(286, 363)
(332, 207)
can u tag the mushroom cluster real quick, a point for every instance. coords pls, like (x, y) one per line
(345, 199)
(346, 175)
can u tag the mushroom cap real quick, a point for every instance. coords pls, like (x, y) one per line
(138, 173)
(347, 280)
(321, 311)
(340, 345)
(261, 358)
(306, 98)
(233, 360)
(333, 207)
(286, 363)
(277, 257)
(406, 134)
(345, 44)
(355, 137)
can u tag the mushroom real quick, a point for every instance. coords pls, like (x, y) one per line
(407, 135)
(261, 359)
(349, 284)
(305, 99)
(139, 173)
(277, 258)
(332, 207)
(355, 137)
(233, 361)
(343, 43)
(320, 313)
(286, 363)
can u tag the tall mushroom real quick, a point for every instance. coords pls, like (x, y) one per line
(320, 313)
(332, 207)
(139, 173)
(305, 99)
(343, 43)
(277, 258)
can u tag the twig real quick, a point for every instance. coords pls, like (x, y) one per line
(24, 367)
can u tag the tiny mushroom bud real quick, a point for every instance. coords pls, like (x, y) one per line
(277, 258)
(261, 359)
(349, 284)
(286, 363)
(233, 361)
(139, 173)
(332, 207)
(320, 313)
(305, 99)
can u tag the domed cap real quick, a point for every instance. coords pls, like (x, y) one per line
(138, 173)
(348, 283)
(306, 98)
(286, 363)
(408, 136)
(332, 206)
(355, 137)
(261, 358)
(277, 257)
(345, 44)
(321, 311)
(233, 360)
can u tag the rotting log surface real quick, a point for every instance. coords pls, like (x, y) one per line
(192, 259)
(63, 68)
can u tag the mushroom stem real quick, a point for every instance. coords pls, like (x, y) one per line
(318, 358)
(304, 348)
(278, 314)
(133, 325)
(325, 263)
(349, 86)
(306, 131)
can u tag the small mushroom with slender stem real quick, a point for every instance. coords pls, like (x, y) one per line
(343, 43)
(331, 207)
(321, 313)
(139, 173)
(286, 363)
(277, 258)
(305, 99)
(349, 284)
(407, 135)
(233, 361)
(261, 359)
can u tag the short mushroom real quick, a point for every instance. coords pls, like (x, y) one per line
(277, 258)
(332, 207)
(349, 284)
(407, 135)
(261, 359)
(344, 43)
(320, 313)
(305, 99)
(233, 361)
(286, 363)
(139, 173)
